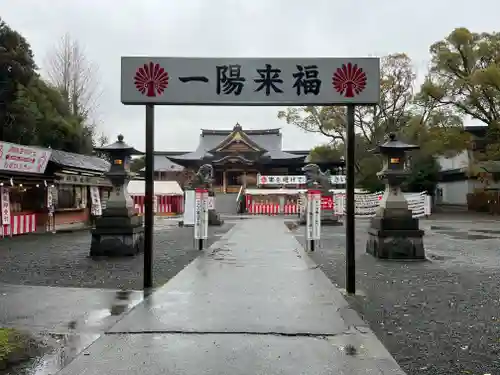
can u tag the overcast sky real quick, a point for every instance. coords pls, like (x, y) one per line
(234, 28)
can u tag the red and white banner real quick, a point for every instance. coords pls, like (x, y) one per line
(272, 209)
(20, 224)
(164, 204)
(19, 158)
(291, 209)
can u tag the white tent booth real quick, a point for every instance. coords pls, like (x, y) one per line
(169, 197)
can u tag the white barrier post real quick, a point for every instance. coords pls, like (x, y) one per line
(427, 205)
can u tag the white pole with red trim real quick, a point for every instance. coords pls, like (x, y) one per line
(200, 217)
(313, 218)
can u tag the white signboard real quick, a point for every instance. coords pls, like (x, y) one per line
(250, 81)
(295, 180)
(19, 158)
(95, 197)
(316, 211)
(313, 215)
(198, 208)
(189, 207)
(5, 200)
(204, 215)
(201, 214)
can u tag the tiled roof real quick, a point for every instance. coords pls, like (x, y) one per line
(268, 139)
(164, 164)
(248, 131)
(68, 159)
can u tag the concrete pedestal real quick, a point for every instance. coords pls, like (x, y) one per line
(214, 218)
(117, 235)
(397, 238)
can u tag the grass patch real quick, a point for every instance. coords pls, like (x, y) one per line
(9, 343)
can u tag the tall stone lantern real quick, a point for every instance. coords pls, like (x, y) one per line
(119, 231)
(393, 232)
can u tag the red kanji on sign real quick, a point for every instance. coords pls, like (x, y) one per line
(151, 79)
(327, 203)
(349, 80)
(263, 179)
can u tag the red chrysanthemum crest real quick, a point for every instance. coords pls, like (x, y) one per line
(349, 80)
(151, 79)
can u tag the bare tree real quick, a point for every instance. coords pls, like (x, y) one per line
(76, 77)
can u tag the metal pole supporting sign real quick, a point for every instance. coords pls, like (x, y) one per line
(350, 221)
(313, 218)
(149, 197)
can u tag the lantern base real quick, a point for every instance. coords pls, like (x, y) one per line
(396, 239)
(117, 237)
(214, 218)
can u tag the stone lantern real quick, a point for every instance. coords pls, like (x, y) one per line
(393, 232)
(119, 231)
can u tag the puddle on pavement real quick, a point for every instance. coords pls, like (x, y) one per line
(60, 351)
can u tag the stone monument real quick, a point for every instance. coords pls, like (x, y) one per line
(315, 178)
(204, 179)
(393, 232)
(119, 231)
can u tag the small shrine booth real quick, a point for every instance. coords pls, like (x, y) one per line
(169, 197)
(47, 190)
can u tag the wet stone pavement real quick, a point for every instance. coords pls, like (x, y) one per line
(436, 317)
(50, 288)
(62, 259)
(64, 320)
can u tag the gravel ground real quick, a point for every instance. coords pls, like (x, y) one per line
(62, 259)
(436, 317)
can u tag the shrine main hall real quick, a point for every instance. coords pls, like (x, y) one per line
(238, 157)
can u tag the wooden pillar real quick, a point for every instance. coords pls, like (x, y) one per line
(224, 181)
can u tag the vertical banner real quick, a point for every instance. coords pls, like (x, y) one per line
(198, 214)
(211, 202)
(316, 209)
(309, 215)
(51, 192)
(5, 201)
(95, 197)
(204, 222)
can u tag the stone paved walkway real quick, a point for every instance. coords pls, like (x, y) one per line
(252, 304)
